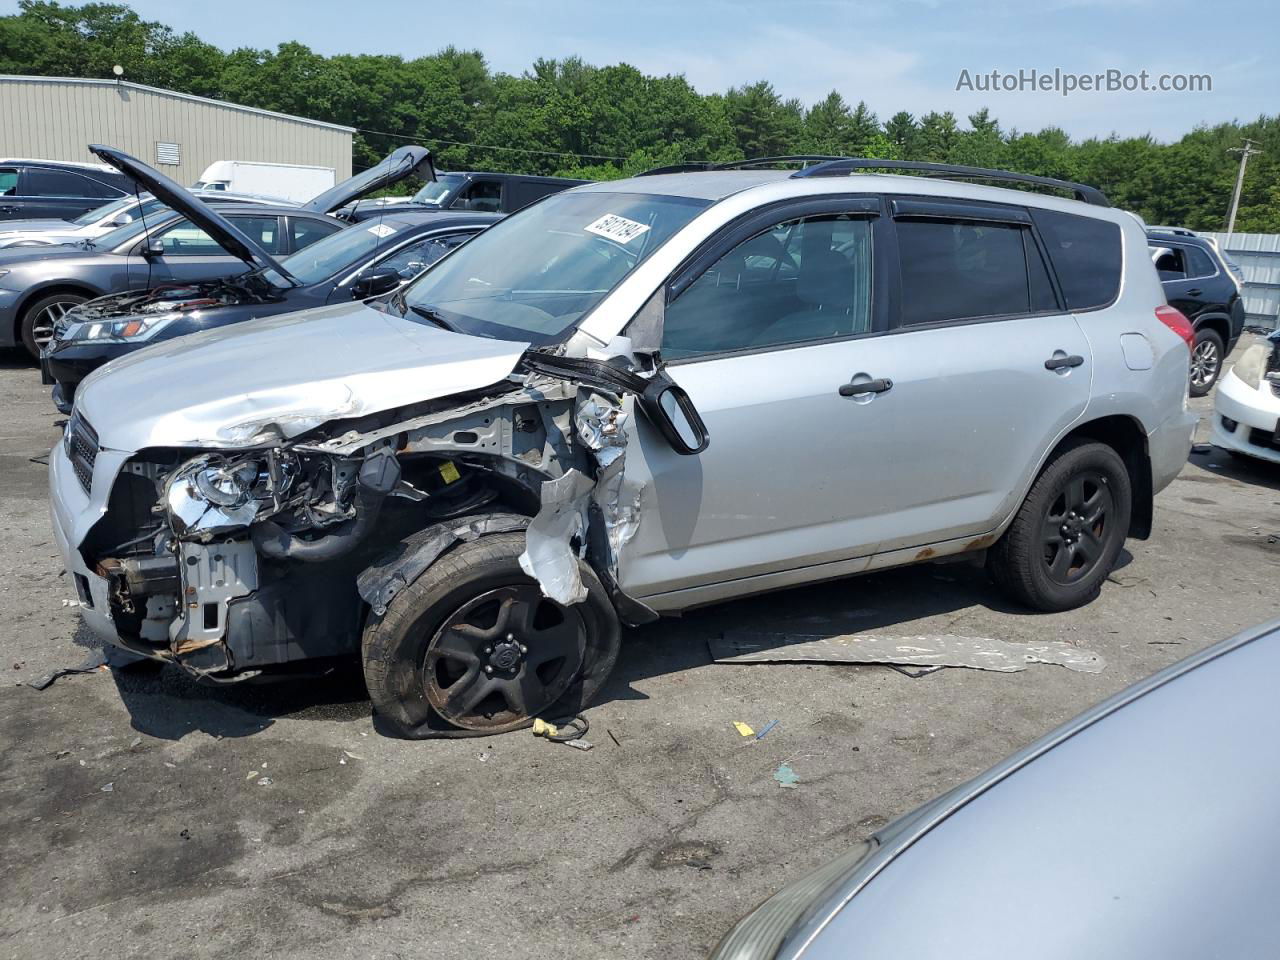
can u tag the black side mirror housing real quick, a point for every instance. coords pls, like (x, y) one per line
(671, 410)
(375, 283)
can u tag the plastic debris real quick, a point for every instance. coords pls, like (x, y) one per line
(108, 788)
(135, 743)
(352, 756)
(252, 774)
(569, 732)
(580, 744)
(785, 776)
(97, 662)
(743, 729)
(265, 782)
(767, 727)
(979, 653)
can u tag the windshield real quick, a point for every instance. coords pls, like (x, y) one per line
(535, 274)
(339, 251)
(436, 191)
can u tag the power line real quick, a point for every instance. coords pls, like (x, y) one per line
(482, 146)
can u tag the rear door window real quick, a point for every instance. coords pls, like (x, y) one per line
(8, 181)
(1198, 263)
(58, 183)
(265, 231)
(306, 232)
(1086, 256)
(1170, 262)
(958, 270)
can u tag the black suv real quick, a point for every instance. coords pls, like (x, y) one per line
(50, 190)
(1198, 282)
(483, 192)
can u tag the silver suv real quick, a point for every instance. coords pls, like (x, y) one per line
(630, 399)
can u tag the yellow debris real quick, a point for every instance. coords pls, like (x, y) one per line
(743, 729)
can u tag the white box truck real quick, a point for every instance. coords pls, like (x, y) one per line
(288, 181)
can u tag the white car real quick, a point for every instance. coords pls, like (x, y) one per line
(1247, 407)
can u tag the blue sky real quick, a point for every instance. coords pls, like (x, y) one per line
(895, 55)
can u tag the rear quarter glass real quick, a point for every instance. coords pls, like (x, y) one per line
(1086, 256)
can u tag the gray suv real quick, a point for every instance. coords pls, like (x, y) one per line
(627, 400)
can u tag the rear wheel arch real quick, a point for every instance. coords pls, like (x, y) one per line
(1218, 323)
(1125, 435)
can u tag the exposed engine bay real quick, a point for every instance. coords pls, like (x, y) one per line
(227, 561)
(180, 297)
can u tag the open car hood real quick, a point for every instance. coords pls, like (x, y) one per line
(228, 236)
(394, 167)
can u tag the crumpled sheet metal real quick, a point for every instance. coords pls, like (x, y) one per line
(979, 653)
(548, 555)
(379, 583)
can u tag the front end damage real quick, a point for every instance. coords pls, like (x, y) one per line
(230, 561)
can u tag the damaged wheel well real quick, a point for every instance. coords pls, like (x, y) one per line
(1126, 436)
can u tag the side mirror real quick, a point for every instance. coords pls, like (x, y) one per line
(375, 283)
(669, 409)
(121, 220)
(151, 249)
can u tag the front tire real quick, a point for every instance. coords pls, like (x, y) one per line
(1070, 529)
(41, 315)
(1207, 354)
(472, 647)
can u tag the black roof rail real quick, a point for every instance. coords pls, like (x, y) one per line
(846, 165)
(697, 166)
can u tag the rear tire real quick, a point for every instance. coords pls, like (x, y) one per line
(1070, 529)
(39, 317)
(472, 647)
(1207, 353)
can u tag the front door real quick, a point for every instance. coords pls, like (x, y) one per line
(763, 340)
(188, 254)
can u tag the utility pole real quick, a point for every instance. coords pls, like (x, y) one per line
(1247, 151)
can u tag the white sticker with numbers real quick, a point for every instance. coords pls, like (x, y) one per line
(381, 230)
(617, 228)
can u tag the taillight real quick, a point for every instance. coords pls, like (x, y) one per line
(1172, 318)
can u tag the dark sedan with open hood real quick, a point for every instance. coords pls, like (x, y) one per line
(369, 259)
(192, 241)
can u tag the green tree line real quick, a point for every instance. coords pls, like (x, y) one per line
(570, 118)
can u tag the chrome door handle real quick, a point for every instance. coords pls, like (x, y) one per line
(866, 386)
(1057, 363)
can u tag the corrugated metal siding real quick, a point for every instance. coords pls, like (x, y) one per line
(1259, 257)
(56, 119)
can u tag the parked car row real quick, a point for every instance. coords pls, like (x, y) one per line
(557, 428)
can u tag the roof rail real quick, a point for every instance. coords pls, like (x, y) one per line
(697, 166)
(846, 165)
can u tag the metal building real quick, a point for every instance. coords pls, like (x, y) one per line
(1259, 257)
(54, 118)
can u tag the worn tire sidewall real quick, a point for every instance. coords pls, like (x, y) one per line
(395, 643)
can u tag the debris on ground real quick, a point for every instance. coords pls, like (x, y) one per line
(743, 729)
(109, 788)
(979, 653)
(265, 782)
(352, 756)
(767, 727)
(785, 776)
(97, 662)
(613, 738)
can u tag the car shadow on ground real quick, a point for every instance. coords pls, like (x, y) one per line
(16, 358)
(1226, 467)
(165, 702)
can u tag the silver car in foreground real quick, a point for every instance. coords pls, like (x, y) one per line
(631, 399)
(1143, 828)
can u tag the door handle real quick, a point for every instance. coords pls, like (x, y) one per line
(866, 386)
(1057, 363)
(1194, 292)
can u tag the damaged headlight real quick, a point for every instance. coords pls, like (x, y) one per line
(226, 484)
(213, 494)
(129, 330)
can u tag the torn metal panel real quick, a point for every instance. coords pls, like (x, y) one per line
(379, 583)
(548, 555)
(979, 653)
(211, 576)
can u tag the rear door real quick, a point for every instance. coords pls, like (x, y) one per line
(12, 206)
(62, 194)
(189, 254)
(988, 370)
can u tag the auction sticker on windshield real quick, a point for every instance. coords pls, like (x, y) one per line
(381, 230)
(617, 228)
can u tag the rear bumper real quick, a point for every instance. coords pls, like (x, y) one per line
(1168, 446)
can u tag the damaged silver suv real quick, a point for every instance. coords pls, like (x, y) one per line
(630, 399)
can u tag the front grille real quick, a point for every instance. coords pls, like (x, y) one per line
(81, 444)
